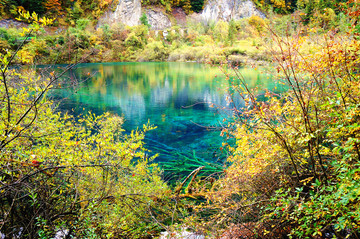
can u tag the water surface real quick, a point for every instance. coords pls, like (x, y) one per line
(181, 99)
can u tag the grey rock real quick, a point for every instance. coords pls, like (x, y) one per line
(7, 23)
(226, 10)
(182, 234)
(157, 19)
(61, 233)
(127, 12)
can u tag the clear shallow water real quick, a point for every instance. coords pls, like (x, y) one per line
(175, 97)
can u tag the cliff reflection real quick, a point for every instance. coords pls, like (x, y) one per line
(176, 97)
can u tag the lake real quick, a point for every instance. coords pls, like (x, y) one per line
(183, 100)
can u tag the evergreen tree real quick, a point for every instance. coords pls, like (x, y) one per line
(197, 5)
(144, 20)
(32, 5)
(232, 32)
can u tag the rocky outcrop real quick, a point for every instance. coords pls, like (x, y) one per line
(6, 23)
(127, 12)
(157, 19)
(180, 16)
(226, 10)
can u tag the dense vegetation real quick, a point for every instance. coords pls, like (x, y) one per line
(295, 165)
(75, 34)
(82, 175)
(75, 9)
(293, 171)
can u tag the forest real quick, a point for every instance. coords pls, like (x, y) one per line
(292, 166)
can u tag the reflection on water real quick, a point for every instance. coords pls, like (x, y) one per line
(175, 97)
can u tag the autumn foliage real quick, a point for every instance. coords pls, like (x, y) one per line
(295, 165)
(53, 6)
(85, 176)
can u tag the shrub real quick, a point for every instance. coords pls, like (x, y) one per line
(4, 45)
(232, 34)
(133, 41)
(295, 160)
(107, 32)
(204, 40)
(33, 50)
(257, 23)
(10, 35)
(208, 53)
(85, 176)
(195, 26)
(144, 20)
(234, 51)
(221, 31)
(285, 25)
(154, 51)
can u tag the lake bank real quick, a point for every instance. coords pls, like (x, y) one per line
(237, 42)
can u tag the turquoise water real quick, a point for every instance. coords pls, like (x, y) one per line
(186, 101)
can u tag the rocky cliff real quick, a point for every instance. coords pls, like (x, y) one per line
(130, 11)
(127, 12)
(157, 19)
(226, 10)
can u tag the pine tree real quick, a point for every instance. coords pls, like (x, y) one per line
(32, 5)
(197, 5)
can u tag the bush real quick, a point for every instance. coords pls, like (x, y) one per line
(4, 45)
(294, 167)
(144, 20)
(204, 40)
(208, 53)
(154, 51)
(257, 23)
(33, 50)
(10, 35)
(285, 25)
(133, 41)
(67, 178)
(85, 176)
(221, 31)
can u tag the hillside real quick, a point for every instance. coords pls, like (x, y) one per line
(134, 30)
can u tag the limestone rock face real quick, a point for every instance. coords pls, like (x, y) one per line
(226, 10)
(127, 12)
(157, 19)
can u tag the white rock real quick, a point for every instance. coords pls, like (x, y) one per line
(226, 10)
(127, 12)
(183, 234)
(157, 19)
(61, 234)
